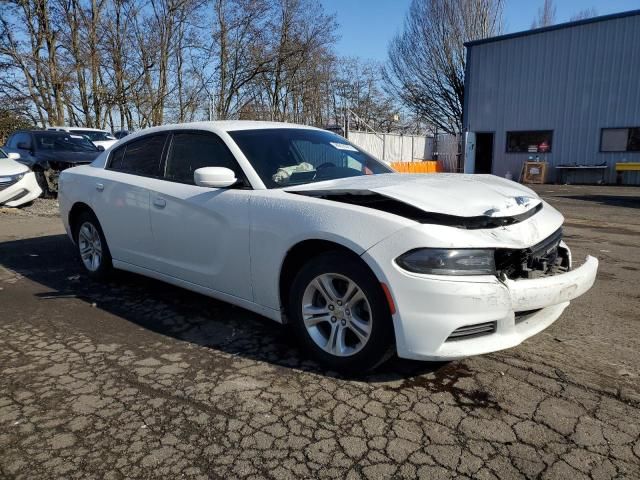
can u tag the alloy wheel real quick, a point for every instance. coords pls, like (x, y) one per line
(90, 246)
(336, 314)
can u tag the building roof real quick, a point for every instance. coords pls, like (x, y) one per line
(559, 26)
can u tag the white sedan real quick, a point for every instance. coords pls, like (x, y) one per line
(100, 138)
(18, 184)
(299, 225)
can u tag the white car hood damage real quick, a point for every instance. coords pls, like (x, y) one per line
(458, 195)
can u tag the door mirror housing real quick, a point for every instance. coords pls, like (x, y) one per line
(214, 177)
(13, 155)
(24, 146)
(100, 148)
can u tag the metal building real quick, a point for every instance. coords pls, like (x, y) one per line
(568, 94)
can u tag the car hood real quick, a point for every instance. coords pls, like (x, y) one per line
(11, 167)
(68, 157)
(458, 195)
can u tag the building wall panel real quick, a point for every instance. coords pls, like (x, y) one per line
(574, 81)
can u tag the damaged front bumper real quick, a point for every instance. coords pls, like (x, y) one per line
(446, 320)
(440, 317)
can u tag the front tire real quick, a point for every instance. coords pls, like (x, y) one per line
(340, 315)
(92, 246)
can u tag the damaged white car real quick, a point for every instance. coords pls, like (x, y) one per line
(18, 184)
(299, 225)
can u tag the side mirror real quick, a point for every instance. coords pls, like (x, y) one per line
(214, 177)
(100, 148)
(24, 146)
(13, 155)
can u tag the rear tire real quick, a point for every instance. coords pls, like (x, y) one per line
(92, 246)
(339, 314)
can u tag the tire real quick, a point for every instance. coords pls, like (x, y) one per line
(346, 329)
(44, 185)
(90, 239)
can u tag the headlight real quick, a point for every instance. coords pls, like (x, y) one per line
(12, 178)
(441, 261)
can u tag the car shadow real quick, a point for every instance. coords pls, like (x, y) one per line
(187, 316)
(610, 200)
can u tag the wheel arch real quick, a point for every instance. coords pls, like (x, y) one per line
(299, 254)
(74, 214)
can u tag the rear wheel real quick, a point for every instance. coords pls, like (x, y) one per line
(339, 313)
(92, 246)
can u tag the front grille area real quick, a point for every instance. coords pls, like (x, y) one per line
(544, 258)
(470, 331)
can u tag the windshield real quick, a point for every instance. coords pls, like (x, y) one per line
(294, 156)
(3, 154)
(93, 135)
(64, 142)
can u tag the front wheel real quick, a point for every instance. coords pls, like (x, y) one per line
(340, 315)
(92, 246)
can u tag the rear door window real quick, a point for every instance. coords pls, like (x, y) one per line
(140, 157)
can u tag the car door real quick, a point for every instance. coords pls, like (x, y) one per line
(201, 234)
(121, 199)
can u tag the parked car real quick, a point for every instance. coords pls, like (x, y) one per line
(18, 184)
(301, 226)
(47, 153)
(121, 134)
(100, 138)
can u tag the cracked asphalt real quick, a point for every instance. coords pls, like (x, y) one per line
(139, 379)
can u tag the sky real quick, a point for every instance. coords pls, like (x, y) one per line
(367, 26)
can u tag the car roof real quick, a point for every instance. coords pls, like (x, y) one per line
(224, 126)
(46, 132)
(216, 126)
(77, 128)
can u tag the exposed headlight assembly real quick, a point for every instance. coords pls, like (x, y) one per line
(442, 261)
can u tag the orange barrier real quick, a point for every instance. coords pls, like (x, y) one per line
(429, 166)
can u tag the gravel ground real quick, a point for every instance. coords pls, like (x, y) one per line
(40, 207)
(139, 379)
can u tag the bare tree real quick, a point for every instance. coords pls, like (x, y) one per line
(133, 64)
(301, 32)
(427, 60)
(546, 15)
(238, 34)
(584, 14)
(29, 41)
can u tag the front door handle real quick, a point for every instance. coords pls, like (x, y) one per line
(159, 202)
(99, 187)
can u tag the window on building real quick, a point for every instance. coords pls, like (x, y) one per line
(538, 141)
(620, 139)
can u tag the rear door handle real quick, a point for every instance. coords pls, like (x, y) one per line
(99, 187)
(159, 202)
